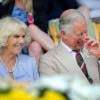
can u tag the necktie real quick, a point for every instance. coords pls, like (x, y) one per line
(82, 65)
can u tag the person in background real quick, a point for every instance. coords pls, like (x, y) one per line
(90, 28)
(94, 8)
(45, 10)
(70, 56)
(23, 10)
(13, 37)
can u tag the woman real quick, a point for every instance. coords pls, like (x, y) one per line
(12, 39)
(23, 10)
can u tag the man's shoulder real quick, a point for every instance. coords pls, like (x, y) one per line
(50, 54)
(53, 50)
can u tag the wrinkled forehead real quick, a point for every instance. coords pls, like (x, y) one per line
(80, 26)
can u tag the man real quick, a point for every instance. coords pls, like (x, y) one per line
(63, 58)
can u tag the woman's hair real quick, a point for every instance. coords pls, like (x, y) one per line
(27, 3)
(67, 19)
(10, 26)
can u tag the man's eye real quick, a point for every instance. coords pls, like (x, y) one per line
(81, 33)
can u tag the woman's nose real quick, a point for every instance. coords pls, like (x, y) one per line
(21, 40)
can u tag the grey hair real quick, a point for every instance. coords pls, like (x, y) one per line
(68, 18)
(10, 26)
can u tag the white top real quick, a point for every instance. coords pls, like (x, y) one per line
(93, 5)
(25, 69)
(0, 0)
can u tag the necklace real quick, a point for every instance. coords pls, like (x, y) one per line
(10, 71)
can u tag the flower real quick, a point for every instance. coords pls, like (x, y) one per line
(50, 88)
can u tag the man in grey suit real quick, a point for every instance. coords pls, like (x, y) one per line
(62, 58)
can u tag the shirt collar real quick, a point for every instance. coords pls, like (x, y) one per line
(68, 48)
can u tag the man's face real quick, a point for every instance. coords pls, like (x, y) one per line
(76, 39)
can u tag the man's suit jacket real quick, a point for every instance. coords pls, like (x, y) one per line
(60, 61)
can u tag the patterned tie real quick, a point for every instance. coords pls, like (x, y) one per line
(82, 65)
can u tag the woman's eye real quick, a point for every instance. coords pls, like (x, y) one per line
(16, 36)
(23, 36)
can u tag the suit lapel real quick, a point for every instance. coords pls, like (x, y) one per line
(68, 62)
(91, 65)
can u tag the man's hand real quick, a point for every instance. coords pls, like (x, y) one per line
(93, 47)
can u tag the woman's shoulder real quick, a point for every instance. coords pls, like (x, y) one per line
(26, 65)
(26, 58)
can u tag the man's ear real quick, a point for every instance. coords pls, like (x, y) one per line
(63, 34)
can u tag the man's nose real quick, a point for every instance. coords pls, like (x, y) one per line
(84, 35)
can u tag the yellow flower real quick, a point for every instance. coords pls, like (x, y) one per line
(19, 95)
(52, 95)
(4, 96)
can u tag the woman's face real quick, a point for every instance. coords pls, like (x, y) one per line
(15, 43)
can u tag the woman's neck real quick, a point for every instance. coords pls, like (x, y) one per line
(8, 61)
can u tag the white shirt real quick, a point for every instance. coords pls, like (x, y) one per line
(73, 53)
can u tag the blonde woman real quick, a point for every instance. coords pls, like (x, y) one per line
(18, 66)
(23, 10)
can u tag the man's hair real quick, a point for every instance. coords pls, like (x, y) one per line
(68, 18)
